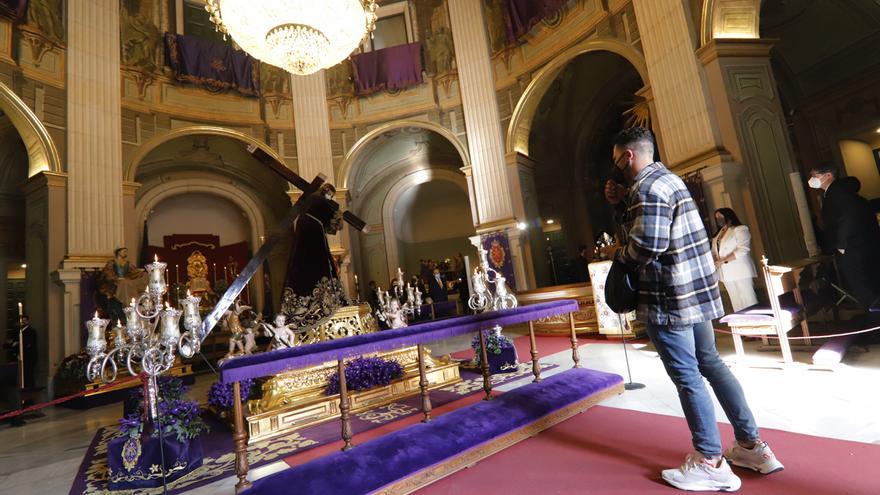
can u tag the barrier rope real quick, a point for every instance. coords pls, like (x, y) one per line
(37, 407)
(811, 337)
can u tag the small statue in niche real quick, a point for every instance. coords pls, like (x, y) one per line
(282, 335)
(242, 340)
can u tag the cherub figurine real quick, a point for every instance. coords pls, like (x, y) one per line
(282, 335)
(503, 298)
(242, 338)
(395, 315)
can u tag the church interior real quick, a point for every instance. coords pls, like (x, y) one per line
(368, 246)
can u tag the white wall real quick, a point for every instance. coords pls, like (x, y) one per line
(859, 161)
(197, 213)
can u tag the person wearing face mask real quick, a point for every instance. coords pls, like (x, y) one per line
(667, 246)
(730, 249)
(851, 232)
(437, 287)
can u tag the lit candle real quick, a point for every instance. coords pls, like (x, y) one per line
(20, 310)
(119, 338)
(225, 275)
(170, 325)
(214, 279)
(157, 280)
(191, 316)
(133, 324)
(176, 274)
(96, 342)
(379, 296)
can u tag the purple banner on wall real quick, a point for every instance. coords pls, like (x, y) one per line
(14, 9)
(497, 247)
(212, 65)
(395, 67)
(522, 15)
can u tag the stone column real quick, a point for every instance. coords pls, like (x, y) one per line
(94, 131)
(46, 243)
(310, 115)
(133, 228)
(484, 134)
(753, 127)
(491, 181)
(4, 294)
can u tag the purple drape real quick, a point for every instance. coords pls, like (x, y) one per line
(14, 9)
(498, 247)
(395, 67)
(522, 15)
(213, 65)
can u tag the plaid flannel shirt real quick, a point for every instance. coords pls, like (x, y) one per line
(667, 241)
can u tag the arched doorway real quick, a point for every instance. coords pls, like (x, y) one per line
(404, 179)
(32, 205)
(218, 190)
(570, 125)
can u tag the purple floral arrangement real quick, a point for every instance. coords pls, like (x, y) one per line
(365, 373)
(220, 394)
(180, 416)
(494, 343)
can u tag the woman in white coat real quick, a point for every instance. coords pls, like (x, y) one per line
(730, 248)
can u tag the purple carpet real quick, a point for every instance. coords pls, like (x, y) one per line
(218, 446)
(384, 460)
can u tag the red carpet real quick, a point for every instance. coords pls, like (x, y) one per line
(616, 451)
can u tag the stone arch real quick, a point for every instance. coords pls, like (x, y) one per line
(520, 126)
(130, 171)
(405, 183)
(348, 169)
(214, 187)
(730, 19)
(42, 153)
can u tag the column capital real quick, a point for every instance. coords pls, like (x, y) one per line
(738, 48)
(130, 188)
(45, 179)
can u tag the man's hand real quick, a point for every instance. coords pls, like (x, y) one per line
(614, 192)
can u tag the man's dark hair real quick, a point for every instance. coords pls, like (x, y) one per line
(635, 137)
(117, 250)
(23, 317)
(827, 168)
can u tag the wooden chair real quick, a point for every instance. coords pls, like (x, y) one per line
(786, 310)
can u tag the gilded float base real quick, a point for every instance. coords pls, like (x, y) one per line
(295, 400)
(93, 388)
(585, 321)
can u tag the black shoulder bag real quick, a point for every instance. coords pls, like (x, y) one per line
(621, 288)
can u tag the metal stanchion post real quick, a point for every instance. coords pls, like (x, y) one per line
(630, 385)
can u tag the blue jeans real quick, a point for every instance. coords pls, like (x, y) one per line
(689, 354)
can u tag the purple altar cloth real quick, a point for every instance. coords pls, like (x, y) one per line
(382, 461)
(271, 363)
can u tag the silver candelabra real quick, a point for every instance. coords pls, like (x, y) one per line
(138, 346)
(483, 298)
(391, 311)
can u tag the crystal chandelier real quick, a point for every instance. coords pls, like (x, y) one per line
(300, 36)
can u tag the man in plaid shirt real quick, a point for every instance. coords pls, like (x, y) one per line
(667, 245)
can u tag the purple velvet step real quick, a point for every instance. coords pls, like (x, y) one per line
(384, 460)
(760, 314)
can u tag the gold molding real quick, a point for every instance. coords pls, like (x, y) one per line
(130, 188)
(520, 125)
(470, 457)
(701, 159)
(42, 153)
(496, 225)
(743, 18)
(45, 179)
(347, 168)
(130, 170)
(735, 48)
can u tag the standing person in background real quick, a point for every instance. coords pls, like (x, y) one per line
(667, 246)
(437, 287)
(730, 249)
(851, 232)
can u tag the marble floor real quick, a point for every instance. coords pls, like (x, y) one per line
(42, 457)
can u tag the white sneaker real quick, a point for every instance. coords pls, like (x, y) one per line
(760, 458)
(698, 475)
